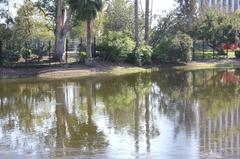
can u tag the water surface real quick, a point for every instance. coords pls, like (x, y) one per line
(168, 114)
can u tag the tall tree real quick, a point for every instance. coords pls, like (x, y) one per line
(147, 12)
(137, 39)
(119, 16)
(63, 18)
(59, 12)
(187, 13)
(87, 11)
(136, 21)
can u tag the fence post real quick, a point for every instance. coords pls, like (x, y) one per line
(80, 45)
(94, 46)
(1, 57)
(227, 51)
(193, 50)
(213, 53)
(203, 49)
(67, 51)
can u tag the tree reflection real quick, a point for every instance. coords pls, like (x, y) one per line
(63, 116)
(77, 133)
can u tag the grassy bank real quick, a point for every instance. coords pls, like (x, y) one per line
(76, 71)
(211, 64)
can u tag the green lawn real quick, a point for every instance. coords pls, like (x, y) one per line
(209, 55)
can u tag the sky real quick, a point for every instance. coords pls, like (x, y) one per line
(159, 6)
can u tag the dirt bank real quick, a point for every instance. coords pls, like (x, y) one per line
(75, 71)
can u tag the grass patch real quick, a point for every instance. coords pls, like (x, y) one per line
(208, 55)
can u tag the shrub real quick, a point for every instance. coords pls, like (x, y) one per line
(40, 50)
(26, 53)
(145, 52)
(116, 47)
(183, 43)
(237, 54)
(83, 56)
(10, 56)
(176, 48)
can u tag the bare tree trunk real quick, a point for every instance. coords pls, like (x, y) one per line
(136, 23)
(137, 56)
(58, 30)
(61, 30)
(1, 58)
(146, 37)
(89, 61)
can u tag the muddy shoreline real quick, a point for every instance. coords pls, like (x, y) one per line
(76, 71)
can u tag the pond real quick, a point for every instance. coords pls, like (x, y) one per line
(166, 114)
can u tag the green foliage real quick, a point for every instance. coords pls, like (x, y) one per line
(183, 44)
(10, 56)
(176, 48)
(216, 27)
(26, 53)
(83, 56)
(119, 47)
(145, 52)
(119, 16)
(48, 9)
(87, 9)
(40, 49)
(237, 54)
(116, 47)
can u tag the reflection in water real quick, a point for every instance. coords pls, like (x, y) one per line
(168, 114)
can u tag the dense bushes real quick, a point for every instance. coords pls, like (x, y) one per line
(119, 47)
(175, 48)
(116, 47)
(145, 53)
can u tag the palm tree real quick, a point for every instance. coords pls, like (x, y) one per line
(146, 37)
(87, 11)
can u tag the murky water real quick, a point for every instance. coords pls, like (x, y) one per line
(168, 114)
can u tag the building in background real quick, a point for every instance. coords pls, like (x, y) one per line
(224, 5)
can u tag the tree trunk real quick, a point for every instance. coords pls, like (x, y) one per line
(146, 37)
(63, 18)
(1, 57)
(89, 61)
(60, 48)
(137, 56)
(136, 23)
(58, 31)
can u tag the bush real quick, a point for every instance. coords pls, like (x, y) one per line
(40, 50)
(145, 52)
(116, 47)
(83, 56)
(26, 53)
(172, 49)
(10, 56)
(237, 54)
(119, 47)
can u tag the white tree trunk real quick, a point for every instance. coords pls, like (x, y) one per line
(61, 30)
(61, 48)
